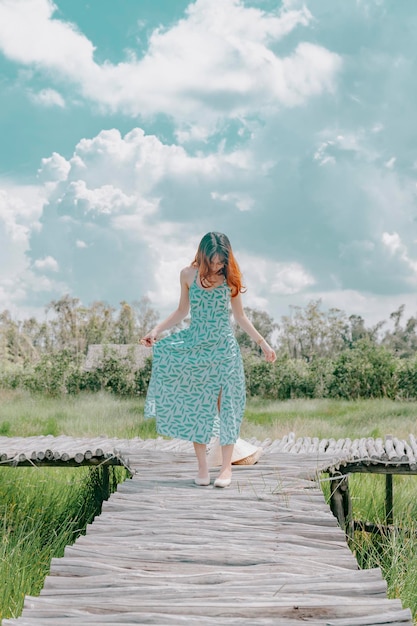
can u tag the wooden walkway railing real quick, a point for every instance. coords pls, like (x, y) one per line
(265, 551)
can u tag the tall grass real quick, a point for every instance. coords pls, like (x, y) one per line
(394, 550)
(42, 510)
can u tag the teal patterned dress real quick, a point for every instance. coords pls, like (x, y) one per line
(191, 367)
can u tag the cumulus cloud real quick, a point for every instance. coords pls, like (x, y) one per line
(57, 46)
(268, 280)
(290, 278)
(125, 213)
(119, 211)
(54, 168)
(20, 212)
(232, 71)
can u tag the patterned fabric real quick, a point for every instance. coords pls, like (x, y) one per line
(191, 367)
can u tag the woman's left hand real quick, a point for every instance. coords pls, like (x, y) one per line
(269, 353)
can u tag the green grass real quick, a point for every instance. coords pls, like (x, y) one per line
(395, 551)
(24, 415)
(329, 418)
(103, 414)
(42, 510)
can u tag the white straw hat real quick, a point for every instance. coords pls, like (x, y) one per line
(244, 453)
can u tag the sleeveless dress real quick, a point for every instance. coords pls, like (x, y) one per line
(191, 367)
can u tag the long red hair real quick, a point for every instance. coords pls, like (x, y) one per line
(218, 244)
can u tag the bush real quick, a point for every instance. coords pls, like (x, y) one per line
(60, 373)
(287, 378)
(50, 375)
(320, 376)
(11, 377)
(407, 379)
(364, 371)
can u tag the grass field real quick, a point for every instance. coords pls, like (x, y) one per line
(102, 414)
(42, 510)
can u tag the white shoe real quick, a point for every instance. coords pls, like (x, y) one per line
(222, 482)
(202, 482)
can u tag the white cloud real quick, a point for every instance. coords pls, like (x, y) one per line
(392, 242)
(103, 235)
(390, 163)
(241, 200)
(104, 199)
(169, 253)
(48, 98)
(321, 156)
(20, 210)
(48, 263)
(334, 144)
(267, 279)
(57, 46)
(232, 70)
(398, 248)
(54, 168)
(290, 278)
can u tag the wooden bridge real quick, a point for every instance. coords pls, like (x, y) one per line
(265, 551)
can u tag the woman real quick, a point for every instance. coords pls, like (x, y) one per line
(197, 387)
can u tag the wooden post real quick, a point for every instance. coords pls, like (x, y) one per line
(105, 474)
(340, 502)
(389, 504)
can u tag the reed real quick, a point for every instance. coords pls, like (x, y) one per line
(394, 549)
(42, 511)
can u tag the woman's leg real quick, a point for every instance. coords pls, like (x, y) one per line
(200, 450)
(226, 468)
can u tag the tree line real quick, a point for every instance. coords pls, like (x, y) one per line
(321, 353)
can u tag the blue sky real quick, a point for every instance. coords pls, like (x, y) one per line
(129, 129)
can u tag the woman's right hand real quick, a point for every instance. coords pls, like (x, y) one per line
(149, 339)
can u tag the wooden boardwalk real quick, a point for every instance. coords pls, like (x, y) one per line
(265, 551)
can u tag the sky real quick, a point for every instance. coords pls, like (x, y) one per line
(130, 128)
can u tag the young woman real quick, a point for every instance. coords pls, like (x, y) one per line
(197, 387)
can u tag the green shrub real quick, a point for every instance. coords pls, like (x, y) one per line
(142, 378)
(364, 371)
(49, 376)
(11, 377)
(292, 379)
(320, 376)
(287, 378)
(407, 379)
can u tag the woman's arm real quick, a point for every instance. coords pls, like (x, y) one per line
(246, 325)
(176, 316)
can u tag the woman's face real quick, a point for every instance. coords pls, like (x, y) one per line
(216, 264)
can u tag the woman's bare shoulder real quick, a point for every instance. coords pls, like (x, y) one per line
(187, 274)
